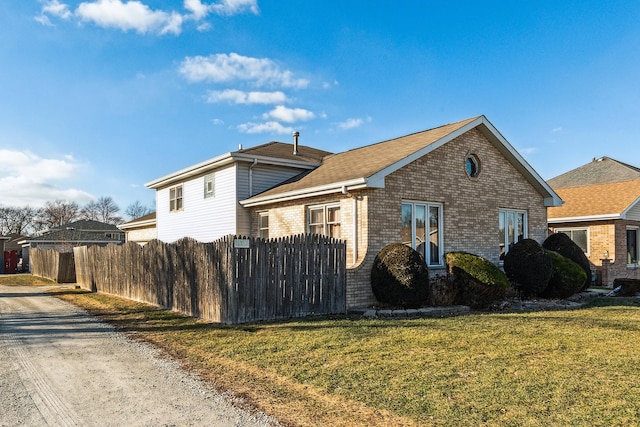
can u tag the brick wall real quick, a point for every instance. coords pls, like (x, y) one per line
(470, 207)
(607, 236)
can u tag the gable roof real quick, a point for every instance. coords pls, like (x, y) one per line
(145, 221)
(598, 171)
(71, 236)
(366, 167)
(87, 225)
(596, 202)
(273, 153)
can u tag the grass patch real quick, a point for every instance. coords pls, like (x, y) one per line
(24, 279)
(574, 367)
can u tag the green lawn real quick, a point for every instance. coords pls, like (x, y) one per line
(545, 368)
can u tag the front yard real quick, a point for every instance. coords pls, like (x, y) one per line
(576, 367)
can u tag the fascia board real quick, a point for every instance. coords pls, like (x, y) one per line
(519, 162)
(377, 179)
(337, 187)
(603, 217)
(137, 224)
(197, 169)
(224, 160)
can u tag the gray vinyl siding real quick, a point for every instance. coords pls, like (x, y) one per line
(634, 213)
(262, 178)
(204, 219)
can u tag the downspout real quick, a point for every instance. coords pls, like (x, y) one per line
(255, 162)
(355, 223)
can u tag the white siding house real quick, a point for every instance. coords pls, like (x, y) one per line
(202, 201)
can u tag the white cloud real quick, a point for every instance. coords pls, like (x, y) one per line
(528, 150)
(217, 121)
(267, 127)
(353, 123)
(234, 7)
(222, 68)
(240, 97)
(132, 15)
(28, 179)
(197, 9)
(289, 115)
(557, 130)
(53, 8)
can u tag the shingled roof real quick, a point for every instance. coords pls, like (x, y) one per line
(368, 166)
(599, 201)
(598, 171)
(275, 153)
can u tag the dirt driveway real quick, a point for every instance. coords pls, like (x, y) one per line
(61, 367)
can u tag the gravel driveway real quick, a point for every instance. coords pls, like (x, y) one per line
(59, 366)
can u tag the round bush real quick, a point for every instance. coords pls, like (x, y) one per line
(567, 278)
(528, 267)
(400, 277)
(562, 244)
(480, 282)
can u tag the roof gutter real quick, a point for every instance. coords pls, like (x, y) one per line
(340, 187)
(604, 217)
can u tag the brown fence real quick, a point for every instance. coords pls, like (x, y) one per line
(54, 265)
(231, 280)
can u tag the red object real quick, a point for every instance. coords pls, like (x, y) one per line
(11, 262)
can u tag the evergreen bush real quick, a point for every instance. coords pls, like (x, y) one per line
(562, 244)
(479, 281)
(400, 277)
(528, 267)
(567, 278)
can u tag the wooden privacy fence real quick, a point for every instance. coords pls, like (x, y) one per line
(231, 280)
(54, 265)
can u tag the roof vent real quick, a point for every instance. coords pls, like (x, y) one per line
(295, 134)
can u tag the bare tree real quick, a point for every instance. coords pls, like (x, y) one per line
(55, 214)
(18, 220)
(104, 210)
(136, 210)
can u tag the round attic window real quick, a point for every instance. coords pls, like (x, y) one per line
(472, 165)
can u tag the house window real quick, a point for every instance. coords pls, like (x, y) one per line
(632, 245)
(175, 198)
(512, 226)
(325, 220)
(263, 225)
(422, 230)
(580, 237)
(209, 186)
(472, 166)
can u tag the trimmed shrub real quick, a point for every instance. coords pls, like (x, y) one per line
(567, 278)
(400, 277)
(562, 244)
(528, 267)
(479, 281)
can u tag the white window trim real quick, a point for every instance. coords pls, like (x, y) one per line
(209, 179)
(505, 236)
(427, 205)
(566, 229)
(260, 226)
(175, 199)
(637, 229)
(326, 223)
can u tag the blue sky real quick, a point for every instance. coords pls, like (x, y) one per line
(98, 97)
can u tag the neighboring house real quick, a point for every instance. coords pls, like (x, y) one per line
(458, 187)
(140, 230)
(78, 233)
(602, 215)
(202, 201)
(13, 254)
